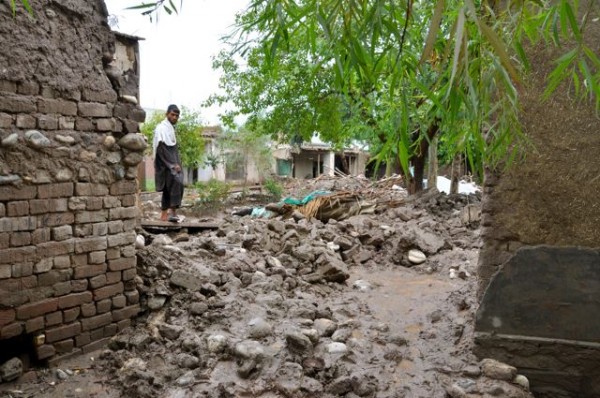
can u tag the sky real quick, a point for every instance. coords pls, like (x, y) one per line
(177, 50)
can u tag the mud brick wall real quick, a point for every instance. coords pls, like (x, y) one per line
(69, 149)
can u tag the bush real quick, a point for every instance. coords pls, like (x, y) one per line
(274, 188)
(211, 194)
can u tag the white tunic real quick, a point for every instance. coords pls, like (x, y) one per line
(164, 132)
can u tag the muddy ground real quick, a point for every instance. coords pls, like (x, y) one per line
(300, 308)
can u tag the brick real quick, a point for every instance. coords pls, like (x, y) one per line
(77, 202)
(111, 201)
(137, 114)
(94, 202)
(74, 300)
(12, 330)
(17, 193)
(79, 259)
(32, 310)
(105, 124)
(129, 225)
(26, 122)
(8, 86)
(11, 224)
(120, 213)
(89, 189)
(61, 262)
(122, 263)
(84, 124)
(113, 277)
(104, 306)
(82, 339)
(7, 316)
(107, 95)
(46, 105)
(63, 332)
(92, 109)
(45, 351)
(55, 219)
(123, 187)
(6, 120)
(41, 206)
(2, 210)
(62, 233)
(123, 239)
(83, 230)
(113, 253)
(20, 239)
(15, 209)
(17, 104)
(97, 334)
(29, 282)
(110, 330)
(12, 299)
(54, 249)
(5, 271)
(43, 265)
(133, 297)
(96, 345)
(88, 271)
(28, 88)
(87, 245)
(66, 123)
(54, 318)
(71, 314)
(98, 281)
(128, 251)
(119, 301)
(47, 122)
(17, 255)
(115, 227)
(41, 235)
(64, 346)
(108, 291)
(96, 321)
(4, 240)
(125, 313)
(79, 285)
(62, 288)
(59, 190)
(100, 229)
(88, 310)
(129, 274)
(92, 216)
(34, 324)
(53, 277)
(98, 257)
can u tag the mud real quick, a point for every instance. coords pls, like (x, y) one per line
(285, 308)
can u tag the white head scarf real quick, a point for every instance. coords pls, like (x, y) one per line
(164, 132)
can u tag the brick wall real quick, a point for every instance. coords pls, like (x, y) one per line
(69, 150)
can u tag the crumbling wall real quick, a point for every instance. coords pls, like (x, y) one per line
(68, 158)
(547, 201)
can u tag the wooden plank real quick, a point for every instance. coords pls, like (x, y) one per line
(166, 225)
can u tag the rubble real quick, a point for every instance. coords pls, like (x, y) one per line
(357, 306)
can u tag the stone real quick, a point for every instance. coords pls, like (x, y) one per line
(498, 370)
(140, 242)
(134, 142)
(170, 332)
(188, 361)
(298, 342)
(61, 374)
(325, 327)
(249, 349)
(455, 391)
(109, 141)
(259, 328)
(11, 140)
(522, 381)
(341, 335)
(216, 343)
(37, 140)
(65, 139)
(11, 369)
(198, 308)
(10, 179)
(361, 285)
(337, 348)
(156, 302)
(133, 159)
(416, 256)
(129, 98)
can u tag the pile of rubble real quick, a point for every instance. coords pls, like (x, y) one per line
(374, 305)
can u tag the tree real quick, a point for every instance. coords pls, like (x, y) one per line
(189, 136)
(400, 73)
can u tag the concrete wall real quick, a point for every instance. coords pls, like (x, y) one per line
(68, 158)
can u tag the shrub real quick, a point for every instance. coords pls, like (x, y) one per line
(274, 188)
(211, 194)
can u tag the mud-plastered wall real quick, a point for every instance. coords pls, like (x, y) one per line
(69, 147)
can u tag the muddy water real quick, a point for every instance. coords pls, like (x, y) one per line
(403, 299)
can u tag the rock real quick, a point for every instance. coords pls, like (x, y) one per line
(133, 159)
(134, 142)
(298, 342)
(61, 374)
(259, 328)
(498, 370)
(156, 302)
(11, 369)
(522, 381)
(188, 361)
(198, 308)
(162, 240)
(129, 98)
(64, 139)
(11, 140)
(140, 242)
(170, 332)
(341, 335)
(472, 371)
(37, 140)
(325, 327)
(186, 379)
(455, 391)
(289, 378)
(109, 141)
(186, 280)
(312, 334)
(9, 179)
(249, 349)
(361, 285)
(337, 348)
(333, 270)
(216, 343)
(416, 256)
(470, 214)
(340, 386)
(87, 156)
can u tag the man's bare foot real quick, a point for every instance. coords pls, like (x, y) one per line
(164, 216)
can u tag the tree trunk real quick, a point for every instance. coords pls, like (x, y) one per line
(432, 170)
(418, 160)
(456, 172)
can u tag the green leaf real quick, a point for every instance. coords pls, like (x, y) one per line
(27, 6)
(570, 16)
(460, 30)
(558, 74)
(500, 49)
(434, 28)
(139, 6)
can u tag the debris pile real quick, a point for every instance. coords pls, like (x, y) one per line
(369, 305)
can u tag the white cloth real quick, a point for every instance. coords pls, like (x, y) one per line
(164, 132)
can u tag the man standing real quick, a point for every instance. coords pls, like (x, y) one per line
(167, 165)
